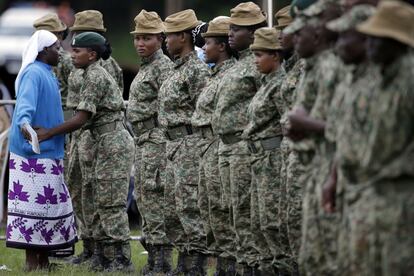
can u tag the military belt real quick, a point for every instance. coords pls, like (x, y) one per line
(140, 127)
(206, 132)
(179, 132)
(106, 128)
(265, 144)
(231, 138)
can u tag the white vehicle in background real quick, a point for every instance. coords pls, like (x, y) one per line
(16, 27)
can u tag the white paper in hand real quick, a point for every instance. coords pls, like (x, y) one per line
(33, 136)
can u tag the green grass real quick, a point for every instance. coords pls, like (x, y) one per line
(14, 259)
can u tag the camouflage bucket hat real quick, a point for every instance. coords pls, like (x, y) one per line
(351, 19)
(219, 26)
(318, 7)
(283, 18)
(393, 19)
(297, 6)
(148, 23)
(246, 14)
(49, 22)
(266, 39)
(181, 21)
(89, 20)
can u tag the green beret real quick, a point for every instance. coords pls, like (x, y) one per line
(299, 5)
(88, 39)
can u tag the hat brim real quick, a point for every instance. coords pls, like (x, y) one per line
(52, 30)
(254, 47)
(181, 29)
(135, 32)
(86, 28)
(282, 26)
(384, 31)
(214, 34)
(247, 21)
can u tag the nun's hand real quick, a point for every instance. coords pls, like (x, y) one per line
(26, 134)
(42, 133)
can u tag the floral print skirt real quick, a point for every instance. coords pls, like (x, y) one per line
(40, 213)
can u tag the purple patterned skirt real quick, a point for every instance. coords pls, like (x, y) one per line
(40, 213)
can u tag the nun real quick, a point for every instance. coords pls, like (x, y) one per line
(40, 214)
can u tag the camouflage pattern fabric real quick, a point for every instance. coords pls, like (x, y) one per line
(376, 175)
(291, 169)
(114, 152)
(62, 72)
(177, 97)
(264, 116)
(215, 217)
(235, 92)
(150, 158)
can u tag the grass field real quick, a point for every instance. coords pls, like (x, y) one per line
(14, 260)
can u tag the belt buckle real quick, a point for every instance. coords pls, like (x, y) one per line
(252, 147)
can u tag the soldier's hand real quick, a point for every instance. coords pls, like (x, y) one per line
(329, 192)
(42, 133)
(295, 129)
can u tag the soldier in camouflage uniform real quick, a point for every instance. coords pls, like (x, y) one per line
(150, 158)
(101, 111)
(215, 214)
(235, 92)
(81, 154)
(177, 99)
(362, 75)
(264, 135)
(319, 235)
(375, 149)
(291, 169)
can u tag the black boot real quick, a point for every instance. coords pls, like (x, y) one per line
(117, 257)
(96, 261)
(220, 267)
(88, 248)
(198, 265)
(166, 253)
(149, 266)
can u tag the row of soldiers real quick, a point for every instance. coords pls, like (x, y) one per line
(291, 155)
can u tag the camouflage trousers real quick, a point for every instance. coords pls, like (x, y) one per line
(87, 154)
(114, 153)
(150, 162)
(215, 214)
(378, 223)
(73, 178)
(318, 252)
(291, 204)
(235, 174)
(183, 221)
(271, 238)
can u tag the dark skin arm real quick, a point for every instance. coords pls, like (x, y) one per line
(329, 191)
(74, 123)
(301, 124)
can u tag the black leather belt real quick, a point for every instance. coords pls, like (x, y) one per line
(141, 127)
(265, 144)
(206, 131)
(106, 128)
(229, 139)
(179, 132)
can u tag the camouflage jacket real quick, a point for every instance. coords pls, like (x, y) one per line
(263, 111)
(62, 72)
(235, 92)
(100, 96)
(206, 101)
(180, 91)
(75, 81)
(143, 95)
(375, 140)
